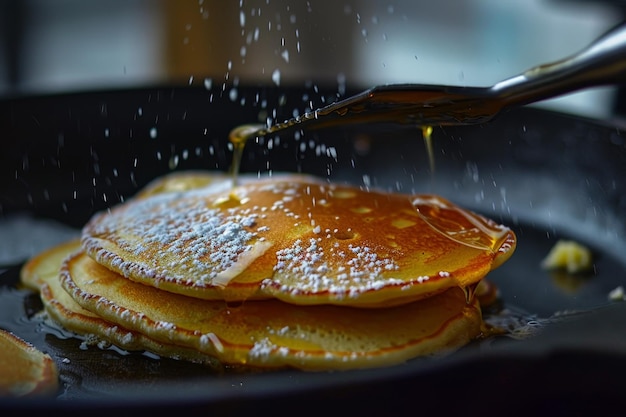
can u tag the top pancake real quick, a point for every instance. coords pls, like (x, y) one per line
(294, 238)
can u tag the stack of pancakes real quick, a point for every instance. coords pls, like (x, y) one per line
(280, 271)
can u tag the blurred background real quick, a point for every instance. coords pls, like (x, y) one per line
(67, 46)
(76, 45)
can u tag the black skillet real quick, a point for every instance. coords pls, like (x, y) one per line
(547, 175)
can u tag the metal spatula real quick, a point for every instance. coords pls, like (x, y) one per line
(601, 63)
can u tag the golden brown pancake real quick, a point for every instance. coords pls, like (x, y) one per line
(46, 264)
(182, 181)
(25, 370)
(274, 334)
(42, 273)
(65, 311)
(296, 239)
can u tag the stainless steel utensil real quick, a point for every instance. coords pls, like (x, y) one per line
(601, 63)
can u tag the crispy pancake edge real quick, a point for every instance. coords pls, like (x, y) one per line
(449, 336)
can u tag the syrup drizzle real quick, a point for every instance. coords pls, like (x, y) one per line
(427, 132)
(429, 210)
(470, 292)
(239, 136)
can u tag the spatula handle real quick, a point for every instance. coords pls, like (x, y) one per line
(601, 63)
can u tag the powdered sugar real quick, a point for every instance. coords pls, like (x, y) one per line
(340, 272)
(199, 241)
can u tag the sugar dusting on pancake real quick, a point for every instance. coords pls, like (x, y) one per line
(214, 243)
(298, 239)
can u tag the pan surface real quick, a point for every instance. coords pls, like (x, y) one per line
(548, 176)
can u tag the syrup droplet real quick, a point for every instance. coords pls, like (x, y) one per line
(238, 137)
(470, 293)
(428, 143)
